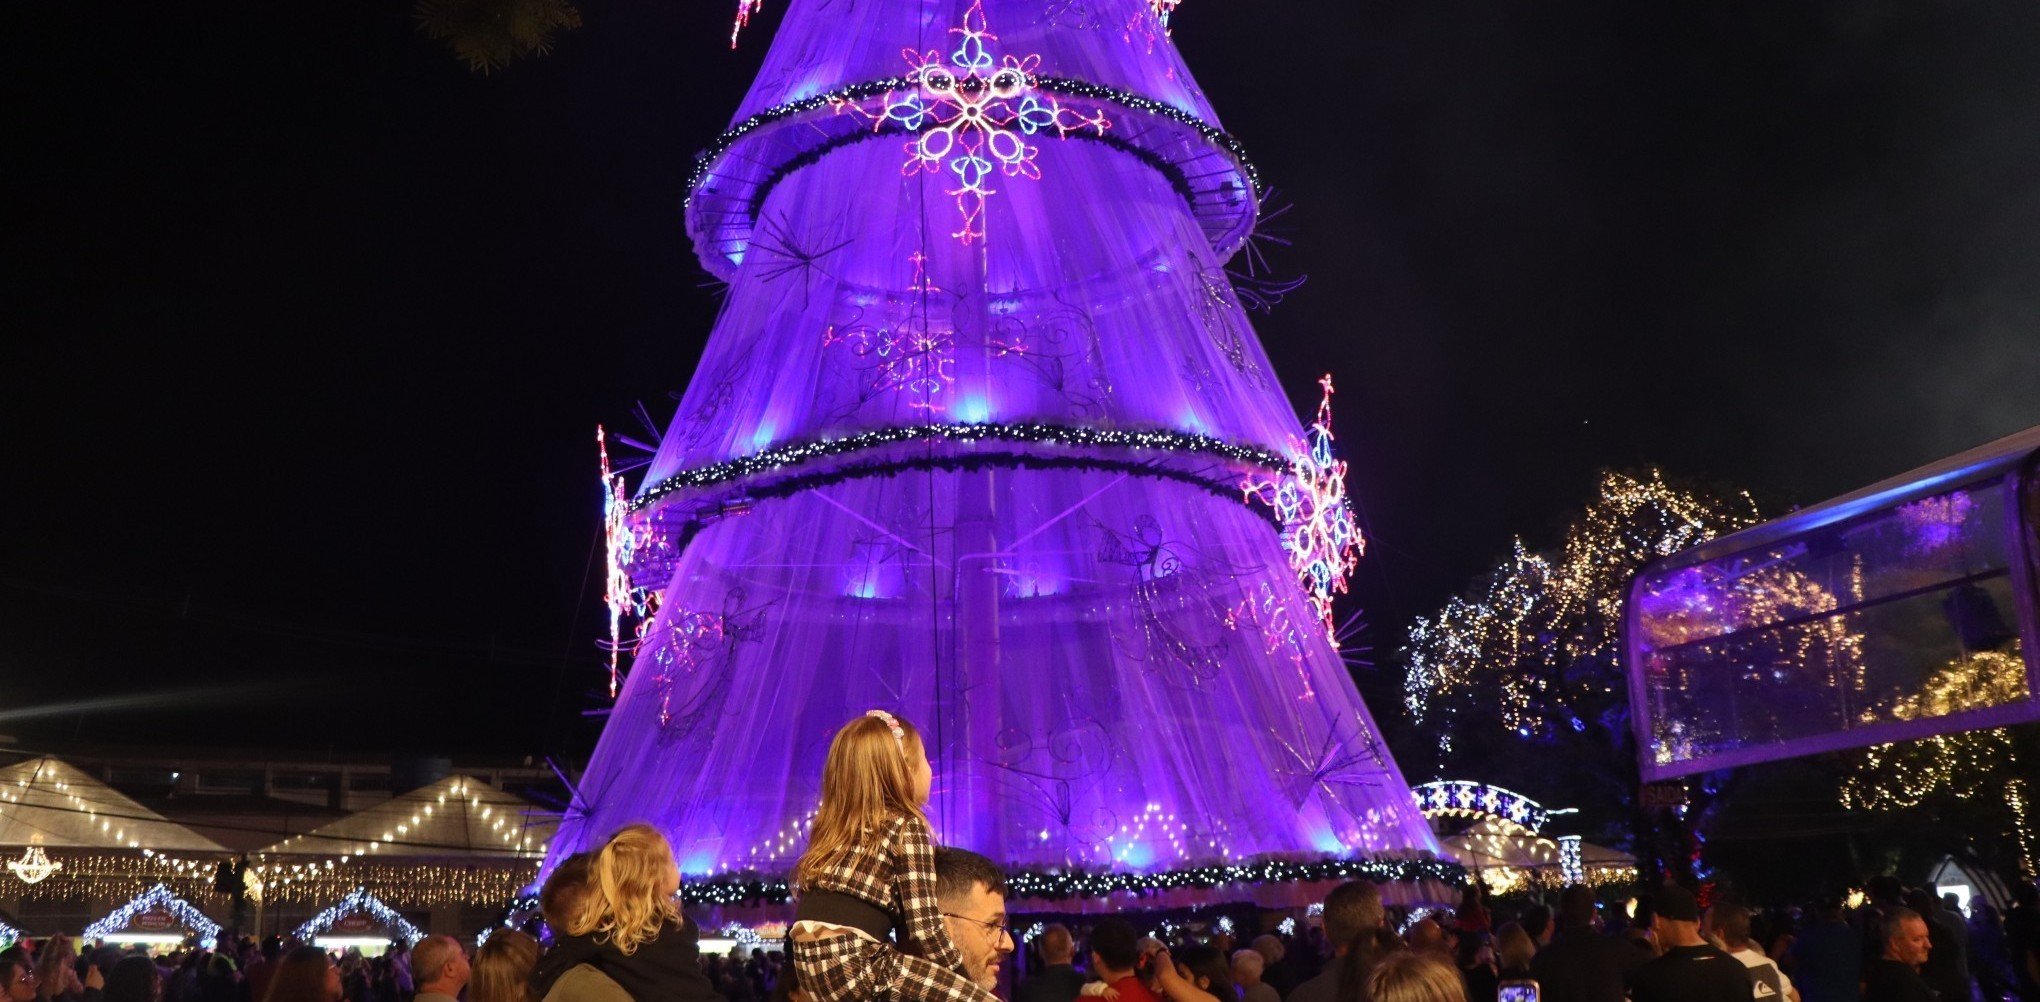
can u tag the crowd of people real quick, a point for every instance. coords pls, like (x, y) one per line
(883, 913)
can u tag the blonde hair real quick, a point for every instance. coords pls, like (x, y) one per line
(502, 969)
(1414, 976)
(1514, 949)
(867, 781)
(629, 877)
(56, 957)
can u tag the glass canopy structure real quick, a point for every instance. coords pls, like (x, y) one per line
(1902, 610)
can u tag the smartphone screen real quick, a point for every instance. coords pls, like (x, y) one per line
(1517, 990)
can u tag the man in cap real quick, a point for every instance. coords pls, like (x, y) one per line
(1689, 969)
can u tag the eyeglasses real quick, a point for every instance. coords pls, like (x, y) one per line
(996, 929)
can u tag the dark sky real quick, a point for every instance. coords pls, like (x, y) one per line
(308, 327)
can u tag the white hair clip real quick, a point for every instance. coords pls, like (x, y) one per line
(892, 723)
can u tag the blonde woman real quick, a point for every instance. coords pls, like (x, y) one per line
(869, 873)
(1414, 976)
(56, 971)
(502, 968)
(629, 925)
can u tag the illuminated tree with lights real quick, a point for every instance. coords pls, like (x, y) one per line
(1977, 782)
(1522, 679)
(983, 435)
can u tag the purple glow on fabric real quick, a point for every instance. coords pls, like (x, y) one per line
(1113, 669)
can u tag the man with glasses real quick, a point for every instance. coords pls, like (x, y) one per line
(971, 892)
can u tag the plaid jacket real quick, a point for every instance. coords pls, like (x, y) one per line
(894, 868)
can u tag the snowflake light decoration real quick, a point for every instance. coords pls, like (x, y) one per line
(1320, 534)
(1571, 866)
(359, 902)
(619, 543)
(155, 897)
(972, 114)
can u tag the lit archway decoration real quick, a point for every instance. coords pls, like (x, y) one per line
(360, 902)
(1460, 798)
(159, 896)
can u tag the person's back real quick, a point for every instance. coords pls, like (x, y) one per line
(1827, 959)
(2022, 940)
(1687, 968)
(1581, 964)
(1058, 980)
(1115, 957)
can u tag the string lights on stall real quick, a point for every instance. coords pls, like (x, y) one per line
(360, 902)
(159, 897)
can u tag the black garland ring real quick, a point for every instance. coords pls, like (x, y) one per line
(704, 162)
(1046, 434)
(1054, 886)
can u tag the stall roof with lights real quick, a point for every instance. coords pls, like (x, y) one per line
(49, 802)
(456, 816)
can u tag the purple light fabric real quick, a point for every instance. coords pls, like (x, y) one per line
(1111, 659)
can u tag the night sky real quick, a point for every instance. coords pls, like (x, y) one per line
(308, 327)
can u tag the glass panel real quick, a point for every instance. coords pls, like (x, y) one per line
(1907, 615)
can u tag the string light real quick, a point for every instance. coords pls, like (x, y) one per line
(1542, 641)
(419, 885)
(1064, 885)
(1157, 440)
(1571, 869)
(1980, 766)
(157, 897)
(360, 902)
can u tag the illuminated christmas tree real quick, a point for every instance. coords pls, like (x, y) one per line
(982, 435)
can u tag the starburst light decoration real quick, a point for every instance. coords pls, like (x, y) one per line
(972, 115)
(1319, 534)
(746, 8)
(622, 598)
(34, 865)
